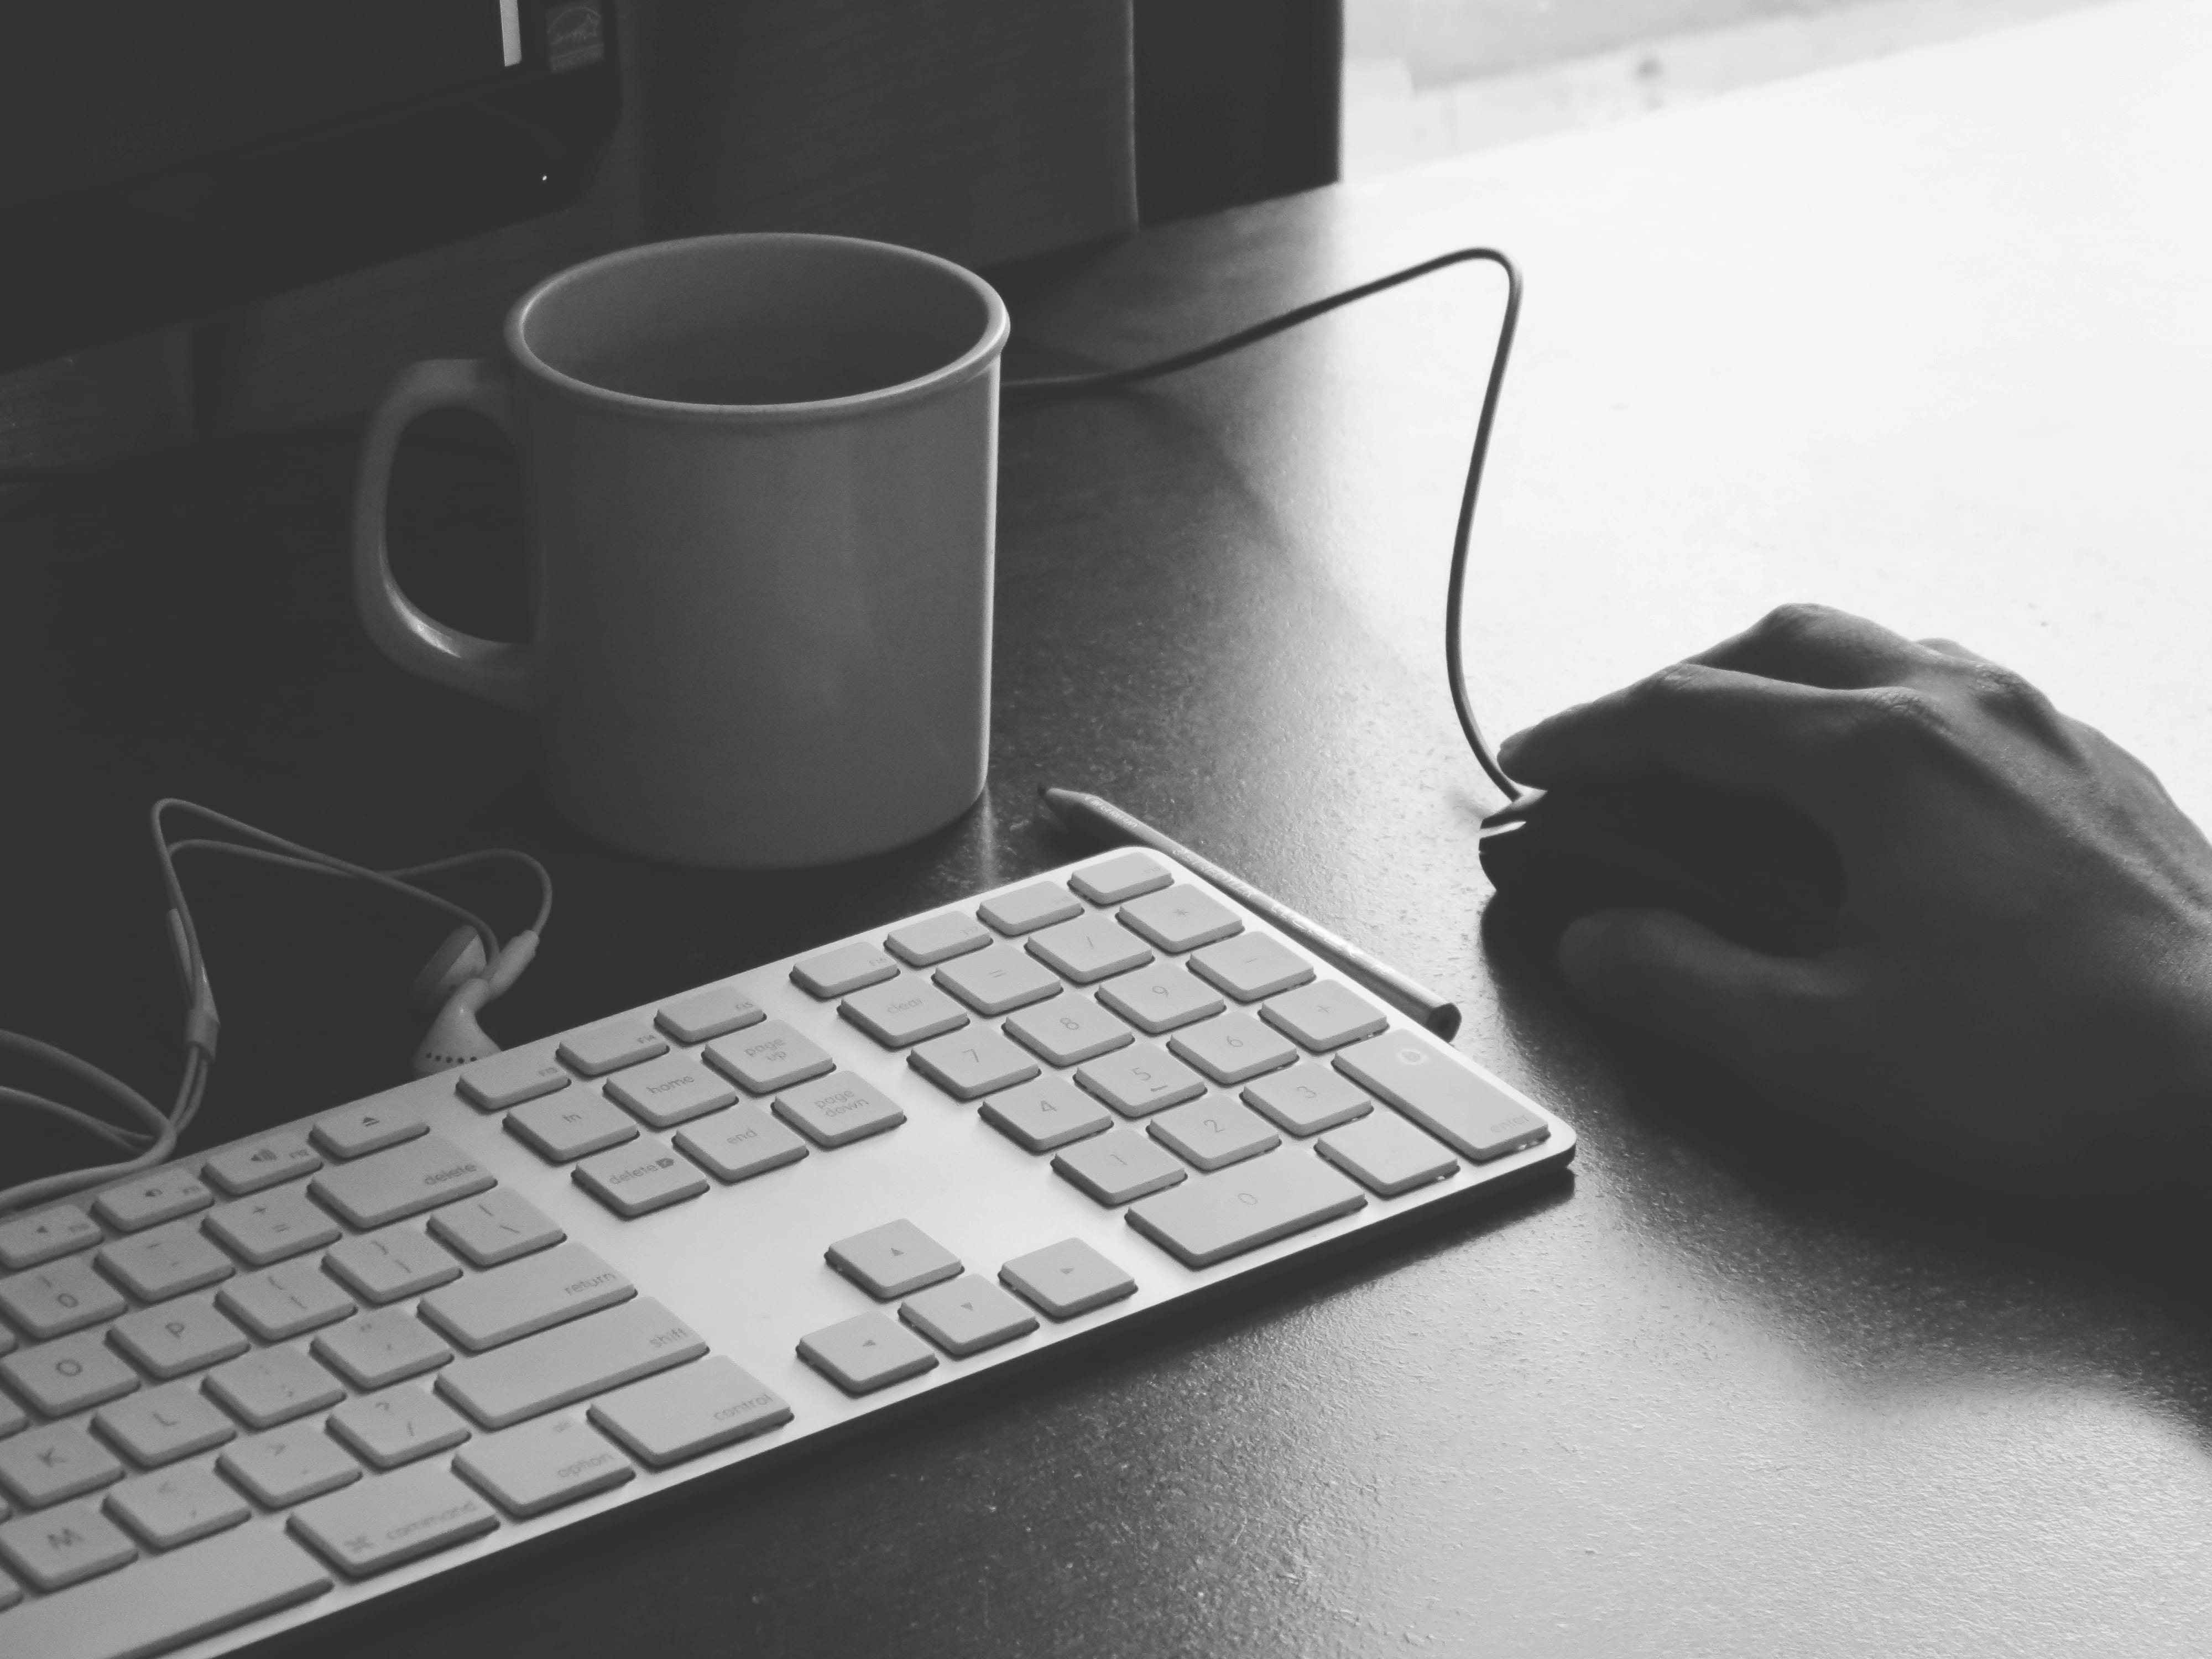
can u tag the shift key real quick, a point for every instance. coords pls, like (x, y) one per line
(525, 1297)
(414, 1176)
(570, 1363)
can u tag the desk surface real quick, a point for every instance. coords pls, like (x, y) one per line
(1924, 337)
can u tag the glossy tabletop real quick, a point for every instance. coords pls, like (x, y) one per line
(1925, 337)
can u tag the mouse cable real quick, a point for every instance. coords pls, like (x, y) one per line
(1044, 386)
(152, 1139)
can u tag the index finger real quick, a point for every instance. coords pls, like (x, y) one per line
(1725, 726)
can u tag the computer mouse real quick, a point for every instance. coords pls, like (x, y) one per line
(1748, 864)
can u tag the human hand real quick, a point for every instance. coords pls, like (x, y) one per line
(2022, 973)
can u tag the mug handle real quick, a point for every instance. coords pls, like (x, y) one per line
(498, 672)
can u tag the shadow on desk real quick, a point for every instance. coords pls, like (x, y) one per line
(1975, 1274)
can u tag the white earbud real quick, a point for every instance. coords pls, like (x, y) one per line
(459, 959)
(455, 1038)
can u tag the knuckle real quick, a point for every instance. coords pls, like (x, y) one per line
(1799, 620)
(2005, 692)
(1679, 679)
(1888, 718)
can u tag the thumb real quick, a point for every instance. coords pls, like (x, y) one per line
(1770, 1015)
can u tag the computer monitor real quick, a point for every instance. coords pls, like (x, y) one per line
(169, 160)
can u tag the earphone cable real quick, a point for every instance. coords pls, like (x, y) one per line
(1045, 387)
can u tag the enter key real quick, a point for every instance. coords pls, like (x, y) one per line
(1476, 1118)
(533, 1294)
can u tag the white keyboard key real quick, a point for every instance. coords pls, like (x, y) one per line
(1323, 1015)
(381, 1348)
(417, 1176)
(1160, 999)
(998, 980)
(200, 1590)
(69, 1374)
(175, 1508)
(1069, 1029)
(844, 968)
(59, 1297)
(902, 1011)
(1251, 966)
(561, 1366)
(609, 1047)
(571, 1125)
(708, 1013)
(1124, 876)
(1091, 947)
(1473, 1116)
(497, 1227)
(936, 939)
(1025, 909)
(397, 1426)
(1218, 1216)
(968, 1316)
(273, 1386)
(1233, 1048)
(55, 1462)
(160, 1425)
(1180, 918)
(164, 1261)
(1118, 1166)
(272, 1226)
(177, 1337)
(768, 1057)
(1214, 1133)
(1309, 1099)
(249, 1168)
(504, 1080)
(838, 1110)
(1045, 1116)
(687, 1413)
(289, 1466)
(889, 1261)
(387, 1519)
(867, 1352)
(671, 1091)
(357, 1131)
(1139, 1079)
(389, 1263)
(971, 1063)
(61, 1547)
(29, 1240)
(544, 1465)
(741, 1143)
(288, 1300)
(1387, 1155)
(531, 1295)
(637, 1179)
(1067, 1279)
(151, 1200)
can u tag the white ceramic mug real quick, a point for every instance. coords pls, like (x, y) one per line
(760, 475)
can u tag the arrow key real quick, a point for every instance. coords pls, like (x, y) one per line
(968, 1316)
(867, 1352)
(1067, 1279)
(891, 1259)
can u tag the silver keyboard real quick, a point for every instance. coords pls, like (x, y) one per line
(317, 1365)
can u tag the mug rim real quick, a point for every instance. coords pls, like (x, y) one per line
(977, 361)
